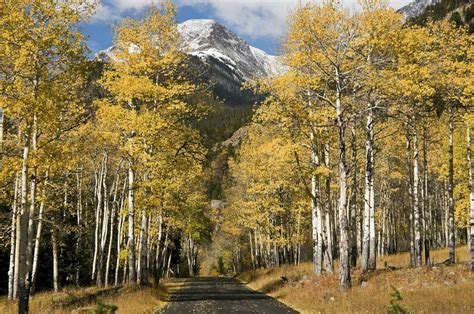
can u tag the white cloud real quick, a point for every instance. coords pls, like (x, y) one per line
(258, 18)
(113, 10)
(131, 4)
(254, 18)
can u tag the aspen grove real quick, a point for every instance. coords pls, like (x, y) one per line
(361, 148)
(108, 169)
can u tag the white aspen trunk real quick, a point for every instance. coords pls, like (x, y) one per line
(54, 242)
(142, 268)
(99, 178)
(353, 205)
(79, 218)
(426, 208)
(119, 246)
(158, 249)
(416, 206)
(373, 232)
(168, 267)
(451, 227)
(189, 256)
(445, 215)
(104, 224)
(471, 201)
(298, 243)
(410, 195)
(11, 268)
(112, 224)
(329, 260)
(1, 135)
(149, 242)
(383, 232)
(257, 255)
(132, 276)
(368, 259)
(22, 235)
(251, 250)
(38, 235)
(344, 267)
(316, 212)
(276, 254)
(364, 261)
(120, 233)
(31, 216)
(268, 255)
(165, 250)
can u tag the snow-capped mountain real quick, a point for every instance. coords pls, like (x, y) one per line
(416, 7)
(229, 60)
(208, 39)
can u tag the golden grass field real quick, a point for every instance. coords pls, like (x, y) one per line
(442, 289)
(129, 299)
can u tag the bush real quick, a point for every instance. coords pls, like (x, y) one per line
(394, 307)
(102, 308)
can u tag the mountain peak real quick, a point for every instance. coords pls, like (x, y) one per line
(208, 39)
(229, 59)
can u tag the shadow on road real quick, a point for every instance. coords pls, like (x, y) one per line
(214, 289)
(219, 295)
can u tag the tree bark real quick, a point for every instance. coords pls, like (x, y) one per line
(426, 209)
(38, 235)
(31, 215)
(112, 224)
(329, 260)
(142, 268)
(132, 276)
(119, 232)
(79, 221)
(344, 267)
(471, 200)
(354, 194)
(416, 206)
(367, 260)
(316, 211)
(98, 214)
(11, 268)
(410, 198)
(54, 242)
(451, 227)
(22, 234)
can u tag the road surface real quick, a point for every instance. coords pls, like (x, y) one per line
(219, 295)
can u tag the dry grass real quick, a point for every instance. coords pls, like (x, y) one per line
(128, 299)
(441, 289)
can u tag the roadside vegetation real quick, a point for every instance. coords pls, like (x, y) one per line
(121, 299)
(437, 289)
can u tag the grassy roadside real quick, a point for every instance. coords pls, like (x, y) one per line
(441, 289)
(127, 299)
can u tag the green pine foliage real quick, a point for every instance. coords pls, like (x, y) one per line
(446, 9)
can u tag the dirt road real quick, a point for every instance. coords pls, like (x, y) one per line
(219, 295)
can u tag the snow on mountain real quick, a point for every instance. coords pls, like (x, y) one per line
(213, 43)
(209, 39)
(416, 7)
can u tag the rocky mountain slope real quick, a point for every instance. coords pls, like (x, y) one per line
(460, 12)
(227, 59)
(416, 7)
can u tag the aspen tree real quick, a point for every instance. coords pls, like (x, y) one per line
(328, 33)
(41, 43)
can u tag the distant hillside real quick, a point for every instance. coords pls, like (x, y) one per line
(460, 12)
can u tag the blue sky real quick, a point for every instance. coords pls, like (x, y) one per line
(260, 22)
